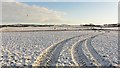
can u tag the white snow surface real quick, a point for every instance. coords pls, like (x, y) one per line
(22, 48)
(107, 46)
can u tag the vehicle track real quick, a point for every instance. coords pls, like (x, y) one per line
(80, 57)
(64, 58)
(50, 56)
(96, 56)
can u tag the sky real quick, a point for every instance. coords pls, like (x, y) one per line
(61, 0)
(73, 13)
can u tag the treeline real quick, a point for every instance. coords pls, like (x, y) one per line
(112, 25)
(33, 25)
(25, 25)
(92, 25)
(105, 25)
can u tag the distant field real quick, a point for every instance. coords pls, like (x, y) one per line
(53, 28)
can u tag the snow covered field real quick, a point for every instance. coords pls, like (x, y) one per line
(107, 46)
(55, 28)
(54, 47)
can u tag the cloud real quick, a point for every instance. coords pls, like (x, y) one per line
(15, 12)
(8, 0)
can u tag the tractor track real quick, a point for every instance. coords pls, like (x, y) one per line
(77, 54)
(80, 56)
(50, 56)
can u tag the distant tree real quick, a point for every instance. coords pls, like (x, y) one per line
(111, 25)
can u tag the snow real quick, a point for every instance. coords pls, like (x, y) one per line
(107, 46)
(54, 28)
(22, 48)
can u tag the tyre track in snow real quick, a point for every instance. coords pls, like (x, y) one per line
(50, 56)
(77, 53)
(97, 57)
(80, 57)
(64, 58)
